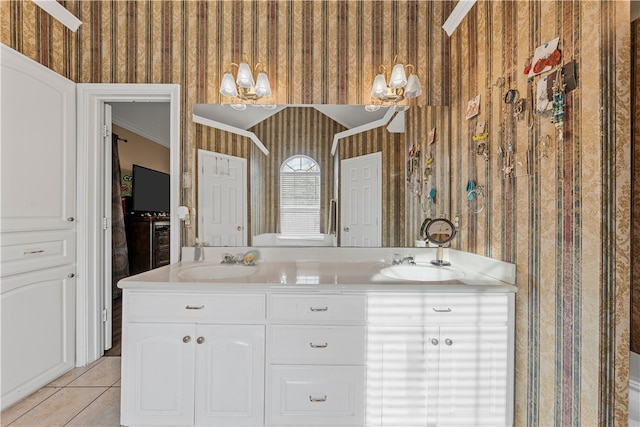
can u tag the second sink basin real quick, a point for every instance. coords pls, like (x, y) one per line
(215, 272)
(421, 273)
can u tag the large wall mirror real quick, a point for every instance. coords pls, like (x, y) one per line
(316, 175)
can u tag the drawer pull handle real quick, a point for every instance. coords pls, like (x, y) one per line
(312, 345)
(319, 308)
(444, 310)
(318, 399)
(39, 251)
(194, 307)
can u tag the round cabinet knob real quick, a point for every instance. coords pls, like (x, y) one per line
(448, 341)
(200, 340)
(71, 275)
(239, 228)
(346, 229)
(434, 341)
(71, 219)
(186, 339)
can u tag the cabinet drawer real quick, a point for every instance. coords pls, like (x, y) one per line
(319, 308)
(318, 344)
(429, 308)
(170, 307)
(24, 252)
(317, 395)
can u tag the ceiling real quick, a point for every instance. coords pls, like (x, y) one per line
(147, 119)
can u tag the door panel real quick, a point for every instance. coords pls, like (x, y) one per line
(361, 190)
(38, 162)
(222, 199)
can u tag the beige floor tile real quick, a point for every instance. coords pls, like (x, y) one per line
(65, 379)
(60, 408)
(106, 373)
(103, 412)
(14, 412)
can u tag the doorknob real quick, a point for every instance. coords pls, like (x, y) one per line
(239, 228)
(346, 229)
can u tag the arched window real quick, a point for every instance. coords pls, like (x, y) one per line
(299, 196)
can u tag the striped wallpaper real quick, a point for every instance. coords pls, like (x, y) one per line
(635, 242)
(558, 217)
(565, 223)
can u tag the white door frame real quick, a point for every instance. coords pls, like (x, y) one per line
(90, 160)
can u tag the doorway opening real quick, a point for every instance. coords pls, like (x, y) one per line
(94, 291)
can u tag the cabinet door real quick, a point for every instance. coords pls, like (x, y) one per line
(230, 375)
(472, 383)
(38, 330)
(158, 374)
(397, 374)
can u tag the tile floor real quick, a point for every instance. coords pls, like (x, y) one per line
(88, 396)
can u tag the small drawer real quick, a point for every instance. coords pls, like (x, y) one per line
(317, 395)
(24, 252)
(196, 307)
(318, 344)
(431, 308)
(319, 308)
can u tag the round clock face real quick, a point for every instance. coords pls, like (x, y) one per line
(440, 231)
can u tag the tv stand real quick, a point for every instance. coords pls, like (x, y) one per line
(148, 241)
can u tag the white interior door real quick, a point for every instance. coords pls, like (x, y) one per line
(360, 201)
(107, 240)
(222, 199)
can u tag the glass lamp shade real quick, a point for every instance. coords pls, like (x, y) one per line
(245, 79)
(413, 88)
(379, 88)
(263, 88)
(398, 77)
(228, 86)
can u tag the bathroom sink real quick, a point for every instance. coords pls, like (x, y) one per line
(215, 272)
(421, 273)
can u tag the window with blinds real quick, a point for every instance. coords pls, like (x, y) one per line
(299, 196)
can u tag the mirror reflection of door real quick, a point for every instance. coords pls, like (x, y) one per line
(222, 199)
(360, 201)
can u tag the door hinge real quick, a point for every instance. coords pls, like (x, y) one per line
(105, 223)
(105, 315)
(105, 131)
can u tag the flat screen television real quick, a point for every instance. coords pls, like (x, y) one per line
(150, 191)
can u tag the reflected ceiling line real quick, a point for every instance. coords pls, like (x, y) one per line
(232, 129)
(367, 126)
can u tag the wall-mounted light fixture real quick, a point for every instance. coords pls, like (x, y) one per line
(244, 86)
(399, 86)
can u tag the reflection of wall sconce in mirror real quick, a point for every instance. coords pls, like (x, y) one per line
(183, 215)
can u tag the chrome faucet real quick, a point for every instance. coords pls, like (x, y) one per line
(400, 260)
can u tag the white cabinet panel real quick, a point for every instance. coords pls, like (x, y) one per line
(38, 162)
(318, 344)
(28, 251)
(195, 307)
(317, 395)
(38, 330)
(319, 308)
(472, 376)
(158, 374)
(230, 375)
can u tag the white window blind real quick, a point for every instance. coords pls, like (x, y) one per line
(299, 196)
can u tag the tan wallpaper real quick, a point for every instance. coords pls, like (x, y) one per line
(635, 140)
(564, 218)
(136, 149)
(565, 221)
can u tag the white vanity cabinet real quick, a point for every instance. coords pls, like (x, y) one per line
(387, 357)
(193, 359)
(317, 360)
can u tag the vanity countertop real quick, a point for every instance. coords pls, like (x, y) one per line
(324, 270)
